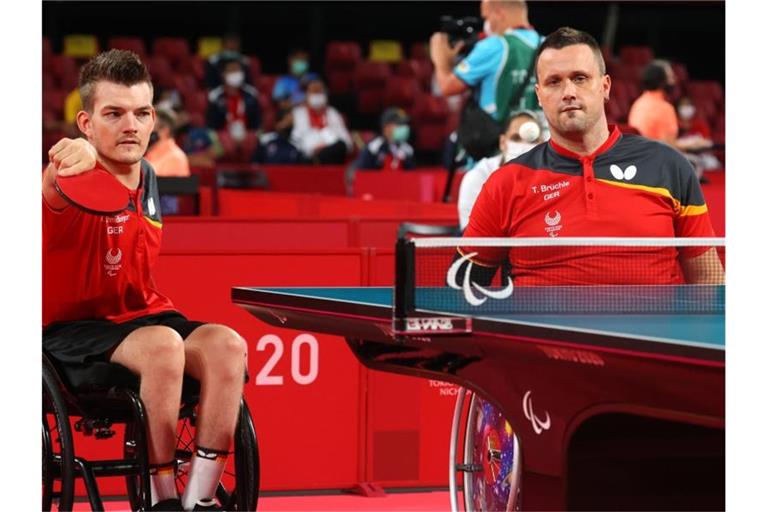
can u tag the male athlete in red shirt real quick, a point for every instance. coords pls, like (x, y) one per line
(100, 301)
(589, 180)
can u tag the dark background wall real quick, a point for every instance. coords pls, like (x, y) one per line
(689, 32)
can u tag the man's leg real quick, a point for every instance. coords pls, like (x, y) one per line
(215, 355)
(156, 354)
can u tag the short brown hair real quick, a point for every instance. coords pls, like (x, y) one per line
(118, 66)
(567, 36)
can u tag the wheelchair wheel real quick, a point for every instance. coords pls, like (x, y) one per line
(58, 447)
(239, 486)
(491, 462)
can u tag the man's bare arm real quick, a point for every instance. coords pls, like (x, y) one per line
(442, 58)
(704, 269)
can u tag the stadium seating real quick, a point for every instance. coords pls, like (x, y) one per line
(401, 92)
(370, 79)
(134, 44)
(174, 49)
(385, 51)
(341, 59)
(80, 46)
(430, 122)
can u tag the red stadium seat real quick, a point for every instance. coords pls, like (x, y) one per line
(342, 55)
(265, 84)
(47, 48)
(268, 113)
(248, 145)
(637, 55)
(134, 44)
(196, 101)
(340, 82)
(370, 81)
(174, 49)
(255, 64)
(185, 83)
(401, 92)
(419, 51)
(53, 101)
(341, 60)
(419, 69)
(197, 68)
(430, 121)
(161, 71)
(49, 81)
(615, 111)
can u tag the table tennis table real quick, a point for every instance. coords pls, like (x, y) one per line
(590, 396)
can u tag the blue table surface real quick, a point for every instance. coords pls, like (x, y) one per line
(705, 330)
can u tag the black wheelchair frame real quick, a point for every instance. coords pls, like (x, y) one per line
(102, 394)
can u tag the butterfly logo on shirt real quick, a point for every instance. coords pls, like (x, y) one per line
(626, 174)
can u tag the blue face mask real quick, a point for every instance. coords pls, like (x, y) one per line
(299, 67)
(401, 132)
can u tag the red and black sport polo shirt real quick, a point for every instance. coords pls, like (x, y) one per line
(629, 187)
(99, 266)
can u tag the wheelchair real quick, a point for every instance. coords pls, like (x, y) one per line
(93, 398)
(488, 458)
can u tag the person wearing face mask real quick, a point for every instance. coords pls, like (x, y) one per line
(498, 66)
(318, 129)
(389, 151)
(275, 147)
(523, 133)
(234, 106)
(230, 50)
(695, 138)
(290, 84)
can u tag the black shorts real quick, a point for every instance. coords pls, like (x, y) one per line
(92, 340)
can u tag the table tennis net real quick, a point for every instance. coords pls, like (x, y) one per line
(562, 276)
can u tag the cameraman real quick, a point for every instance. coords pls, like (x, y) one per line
(497, 66)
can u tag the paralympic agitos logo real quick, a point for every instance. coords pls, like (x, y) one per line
(467, 286)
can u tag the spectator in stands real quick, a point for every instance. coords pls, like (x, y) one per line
(390, 150)
(230, 50)
(164, 154)
(233, 106)
(695, 137)
(319, 130)
(655, 117)
(298, 67)
(523, 132)
(509, 47)
(652, 114)
(689, 120)
(276, 147)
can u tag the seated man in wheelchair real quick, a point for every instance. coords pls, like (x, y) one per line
(100, 302)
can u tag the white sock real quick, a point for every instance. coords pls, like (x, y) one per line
(204, 475)
(162, 482)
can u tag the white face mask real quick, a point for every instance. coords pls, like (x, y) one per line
(515, 149)
(686, 111)
(317, 100)
(234, 79)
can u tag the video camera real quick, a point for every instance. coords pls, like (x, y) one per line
(465, 29)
